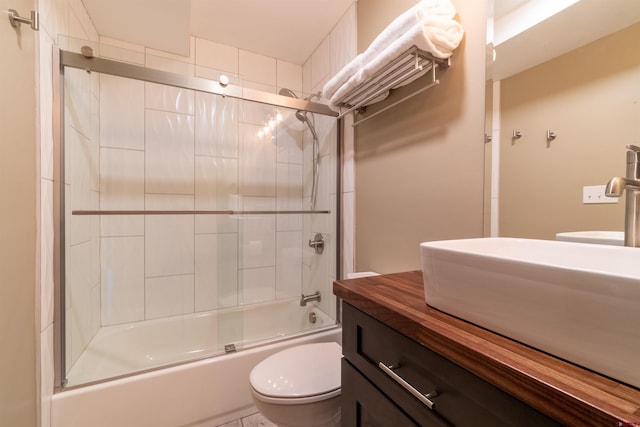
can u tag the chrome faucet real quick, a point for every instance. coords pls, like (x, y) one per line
(617, 185)
(304, 299)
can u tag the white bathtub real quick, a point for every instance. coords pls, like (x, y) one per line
(204, 392)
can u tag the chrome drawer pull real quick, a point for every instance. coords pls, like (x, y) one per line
(424, 398)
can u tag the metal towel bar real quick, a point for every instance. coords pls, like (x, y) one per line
(402, 70)
(192, 212)
(15, 19)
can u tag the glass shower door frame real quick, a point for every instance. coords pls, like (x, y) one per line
(64, 59)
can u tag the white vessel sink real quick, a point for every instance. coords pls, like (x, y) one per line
(615, 238)
(580, 302)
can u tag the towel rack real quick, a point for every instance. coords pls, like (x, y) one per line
(411, 64)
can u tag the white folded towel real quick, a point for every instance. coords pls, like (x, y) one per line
(429, 25)
(393, 31)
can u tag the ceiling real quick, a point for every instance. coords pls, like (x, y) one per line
(536, 31)
(286, 29)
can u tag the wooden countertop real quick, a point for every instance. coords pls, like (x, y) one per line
(566, 392)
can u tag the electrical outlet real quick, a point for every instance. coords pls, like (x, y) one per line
(595, 194)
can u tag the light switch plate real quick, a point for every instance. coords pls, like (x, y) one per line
(595, 194)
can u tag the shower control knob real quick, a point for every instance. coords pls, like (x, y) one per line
(317, 243)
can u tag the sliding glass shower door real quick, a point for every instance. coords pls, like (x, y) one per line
(187, 212)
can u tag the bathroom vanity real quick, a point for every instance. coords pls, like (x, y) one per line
(461, 375)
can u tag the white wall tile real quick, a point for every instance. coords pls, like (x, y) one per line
(343, 46)
(217, 56)
(121, 51)
(121, 113)
(216, 278)
(169, 153)
(289, 264)
(258, 163)
(78, 285)
(320, 65)
(78, 100)
(168, 98)
(169, 239)
(178, 66)
(326, 128)
(258, 285)
(46, 254)
(206, 272)
(46, 10)
(121, 188)
(248, 84)
(75, 28)
(77, 193)
(216, 189)
(228, 264)
(289, 196)
(94, 138)
(289, 137)
(322, 223)
(212, 74)
(96, 308)
(191, 59)
(216, 126)
(289, 76)
(68, 336)
(348, 233)
(122, 282)
(165, 61)
(348, 160)
(257, 68)
(258, 233)
(168, 296)
(95, 239)
(46, 107)
(47, 375)
(256, 113)
(306, 77)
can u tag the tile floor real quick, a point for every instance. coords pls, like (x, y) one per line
(254, 420)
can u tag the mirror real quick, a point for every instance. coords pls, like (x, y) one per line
(563, 101)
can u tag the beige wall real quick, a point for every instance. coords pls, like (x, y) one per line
(419, 166)
(18, 225)
(590, 98)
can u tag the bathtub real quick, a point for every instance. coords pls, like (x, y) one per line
(204, 392)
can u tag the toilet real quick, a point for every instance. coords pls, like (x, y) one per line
(299, 386)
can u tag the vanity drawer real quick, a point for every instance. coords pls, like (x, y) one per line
(462, 399)
(363, 405)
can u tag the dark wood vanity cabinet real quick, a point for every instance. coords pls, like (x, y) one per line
(371, 396)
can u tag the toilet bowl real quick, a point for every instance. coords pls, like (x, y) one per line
(299, 386)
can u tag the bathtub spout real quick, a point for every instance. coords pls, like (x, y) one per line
(304, 299)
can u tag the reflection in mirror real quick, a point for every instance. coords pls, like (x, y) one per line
(566, 76)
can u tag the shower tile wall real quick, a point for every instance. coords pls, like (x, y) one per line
(185, 151)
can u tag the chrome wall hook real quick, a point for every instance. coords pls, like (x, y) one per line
(15, 19)
(517, 134)
(551, 135)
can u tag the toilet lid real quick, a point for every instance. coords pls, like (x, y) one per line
(300, 371)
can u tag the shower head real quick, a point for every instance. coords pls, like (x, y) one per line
(300, 115)
(287, 92)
